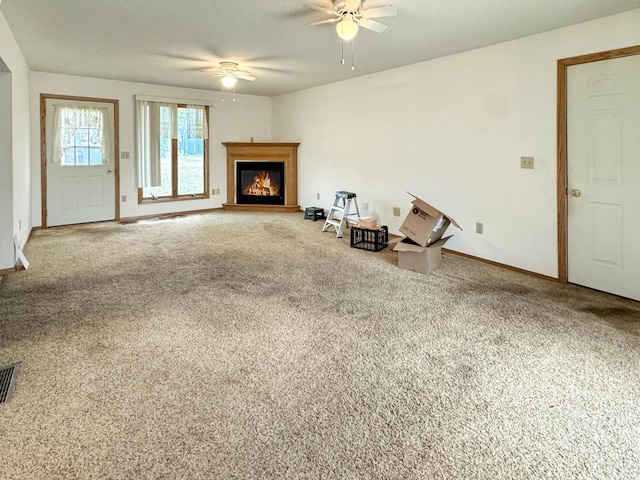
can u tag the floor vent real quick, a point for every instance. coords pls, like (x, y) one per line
(8, 381)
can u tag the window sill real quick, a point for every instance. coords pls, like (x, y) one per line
(142, 201)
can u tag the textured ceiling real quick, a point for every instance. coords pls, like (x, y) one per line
(169, 42)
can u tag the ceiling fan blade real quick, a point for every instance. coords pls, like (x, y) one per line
(245, 76)
(372, 25)
(328, 11)
(377, 12)
(321, 22)
(351, 5)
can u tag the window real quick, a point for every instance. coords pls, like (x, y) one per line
(177, 167)
(80, 136)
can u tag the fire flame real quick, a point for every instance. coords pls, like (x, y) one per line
(261, 185)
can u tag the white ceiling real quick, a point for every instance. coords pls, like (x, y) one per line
(168, 42)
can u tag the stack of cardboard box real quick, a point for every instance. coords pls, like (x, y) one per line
(424, 227)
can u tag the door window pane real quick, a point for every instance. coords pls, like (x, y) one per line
(95, 156)
(81, 136)
(82, 156)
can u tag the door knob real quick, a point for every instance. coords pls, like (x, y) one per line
(109, 171)
(575, 192)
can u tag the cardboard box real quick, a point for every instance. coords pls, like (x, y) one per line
(418, 258)
(367, 222)
(424, 223)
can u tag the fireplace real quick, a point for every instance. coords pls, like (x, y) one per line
(268, 170)
(260, 183)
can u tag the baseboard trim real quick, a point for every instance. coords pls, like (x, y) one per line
(502, 265)
(166, 215)
(30, 235)
(7, 271)
(491, 262)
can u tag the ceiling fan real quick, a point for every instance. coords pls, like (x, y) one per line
(229, 74)
(350, 15)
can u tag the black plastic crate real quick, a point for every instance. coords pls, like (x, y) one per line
(370, 239)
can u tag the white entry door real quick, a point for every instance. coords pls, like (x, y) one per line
(80, 171)
(603, 169)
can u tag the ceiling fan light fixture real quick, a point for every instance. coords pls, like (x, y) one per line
(228, 80)
(347, 28)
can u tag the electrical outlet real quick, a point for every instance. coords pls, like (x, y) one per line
(396, 211)
(479, 227)
(526, 162)
(317, 196)
(124, 155)
(124, 198)
(365, 205)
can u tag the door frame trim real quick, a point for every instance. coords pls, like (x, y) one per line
(562, 193)
(43, 147)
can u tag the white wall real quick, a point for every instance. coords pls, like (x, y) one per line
(14, 152)
(249, 116)
(451, 131)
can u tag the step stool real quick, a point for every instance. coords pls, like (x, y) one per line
(314, 213)
(342, 208)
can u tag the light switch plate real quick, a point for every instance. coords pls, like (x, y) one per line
(526, 162)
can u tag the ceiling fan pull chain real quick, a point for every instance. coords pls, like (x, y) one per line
(342, 52)
(234, 93)
(353, 40)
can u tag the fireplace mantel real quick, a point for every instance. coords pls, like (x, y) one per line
(263, 152)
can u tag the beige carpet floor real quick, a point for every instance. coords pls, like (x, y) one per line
(243, 345)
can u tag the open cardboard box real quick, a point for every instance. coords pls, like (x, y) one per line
(424, 227)
(424, 223)
(420, 259)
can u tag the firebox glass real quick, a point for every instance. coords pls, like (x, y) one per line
(260, 182)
